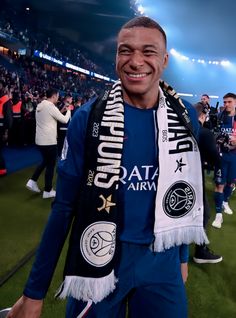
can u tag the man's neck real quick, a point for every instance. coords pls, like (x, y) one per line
(141, 101)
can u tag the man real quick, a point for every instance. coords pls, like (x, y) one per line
(205, 99)
(6, 120)
(227, 142)
(16, 131)
(47, 115)
(127, 240)
(62, 127)
(209, 156)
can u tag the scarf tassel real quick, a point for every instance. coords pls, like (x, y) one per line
(87, 288)
(179, 236)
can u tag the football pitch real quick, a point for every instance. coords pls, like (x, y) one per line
(211, 288)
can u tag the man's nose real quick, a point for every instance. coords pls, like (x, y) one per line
(136, 59)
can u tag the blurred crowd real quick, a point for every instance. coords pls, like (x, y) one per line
(30, 90)
(51, 43)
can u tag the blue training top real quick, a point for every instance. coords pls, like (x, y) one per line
(136, 192)
(227, 127)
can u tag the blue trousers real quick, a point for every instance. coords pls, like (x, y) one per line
(228, 166)
(149, 285)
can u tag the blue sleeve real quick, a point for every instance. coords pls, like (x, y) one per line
(184, 253)
(68, 181)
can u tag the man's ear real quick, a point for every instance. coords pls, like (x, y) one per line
(166, 60)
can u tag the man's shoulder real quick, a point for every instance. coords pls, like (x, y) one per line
(80, 117)
(84, 110)
(191, 110)
(187, 104)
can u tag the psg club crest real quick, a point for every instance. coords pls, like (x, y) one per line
(179, 199)
(97, 243)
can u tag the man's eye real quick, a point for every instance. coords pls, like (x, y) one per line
(149, 52)
(124, 51)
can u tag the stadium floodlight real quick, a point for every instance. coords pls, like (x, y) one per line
(214, 96)
(141, 9)
(174, 52)
(185, 94)
(225, 63)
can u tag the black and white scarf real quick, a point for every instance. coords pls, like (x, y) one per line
(89, 271)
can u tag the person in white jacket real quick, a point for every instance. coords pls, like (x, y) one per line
(47, 115)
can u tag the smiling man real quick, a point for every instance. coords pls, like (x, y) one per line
(140, 61)
(134, 199)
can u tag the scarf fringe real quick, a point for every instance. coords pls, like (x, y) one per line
(179, 236)
(87, 288)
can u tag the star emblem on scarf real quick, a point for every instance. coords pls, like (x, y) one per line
(107, 204)
(180, 164)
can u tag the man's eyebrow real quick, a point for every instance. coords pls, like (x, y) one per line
(124, 45)
(146, 46)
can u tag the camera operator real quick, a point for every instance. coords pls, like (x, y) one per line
(209, 156)
(227, 147)
(212, 120)
(205, 100)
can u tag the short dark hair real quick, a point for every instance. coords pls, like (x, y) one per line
(50, 92)
(145, 22)
(67, 96)
(229, 95)
(206, 95)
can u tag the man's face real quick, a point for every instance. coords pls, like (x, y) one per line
(68, 101)
(140, 60)
(55, 98)
(229, 104)
(205, 100)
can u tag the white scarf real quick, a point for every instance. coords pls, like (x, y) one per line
(179, 197)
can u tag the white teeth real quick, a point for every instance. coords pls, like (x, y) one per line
(137, 75)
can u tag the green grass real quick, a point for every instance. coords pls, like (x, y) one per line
(12, 290)
(211, 288)
(23, 215)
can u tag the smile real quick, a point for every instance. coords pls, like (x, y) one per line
(140, 75)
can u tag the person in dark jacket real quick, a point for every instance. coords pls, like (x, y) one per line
(62, 127)
(209, 156)
(16, 131)
(6, 120)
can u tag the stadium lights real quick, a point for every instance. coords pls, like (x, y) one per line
(137, 7)
(214, 96)
(67, 65)
(141, 9)
(185, 94)
(200, 61)
(225, 63)
(191, 95)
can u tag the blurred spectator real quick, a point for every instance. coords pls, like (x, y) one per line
(62, 127)
(5, 123)
(47, 115)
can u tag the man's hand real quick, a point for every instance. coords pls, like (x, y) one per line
(64, 109)
(184, 271)
(26, 308)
